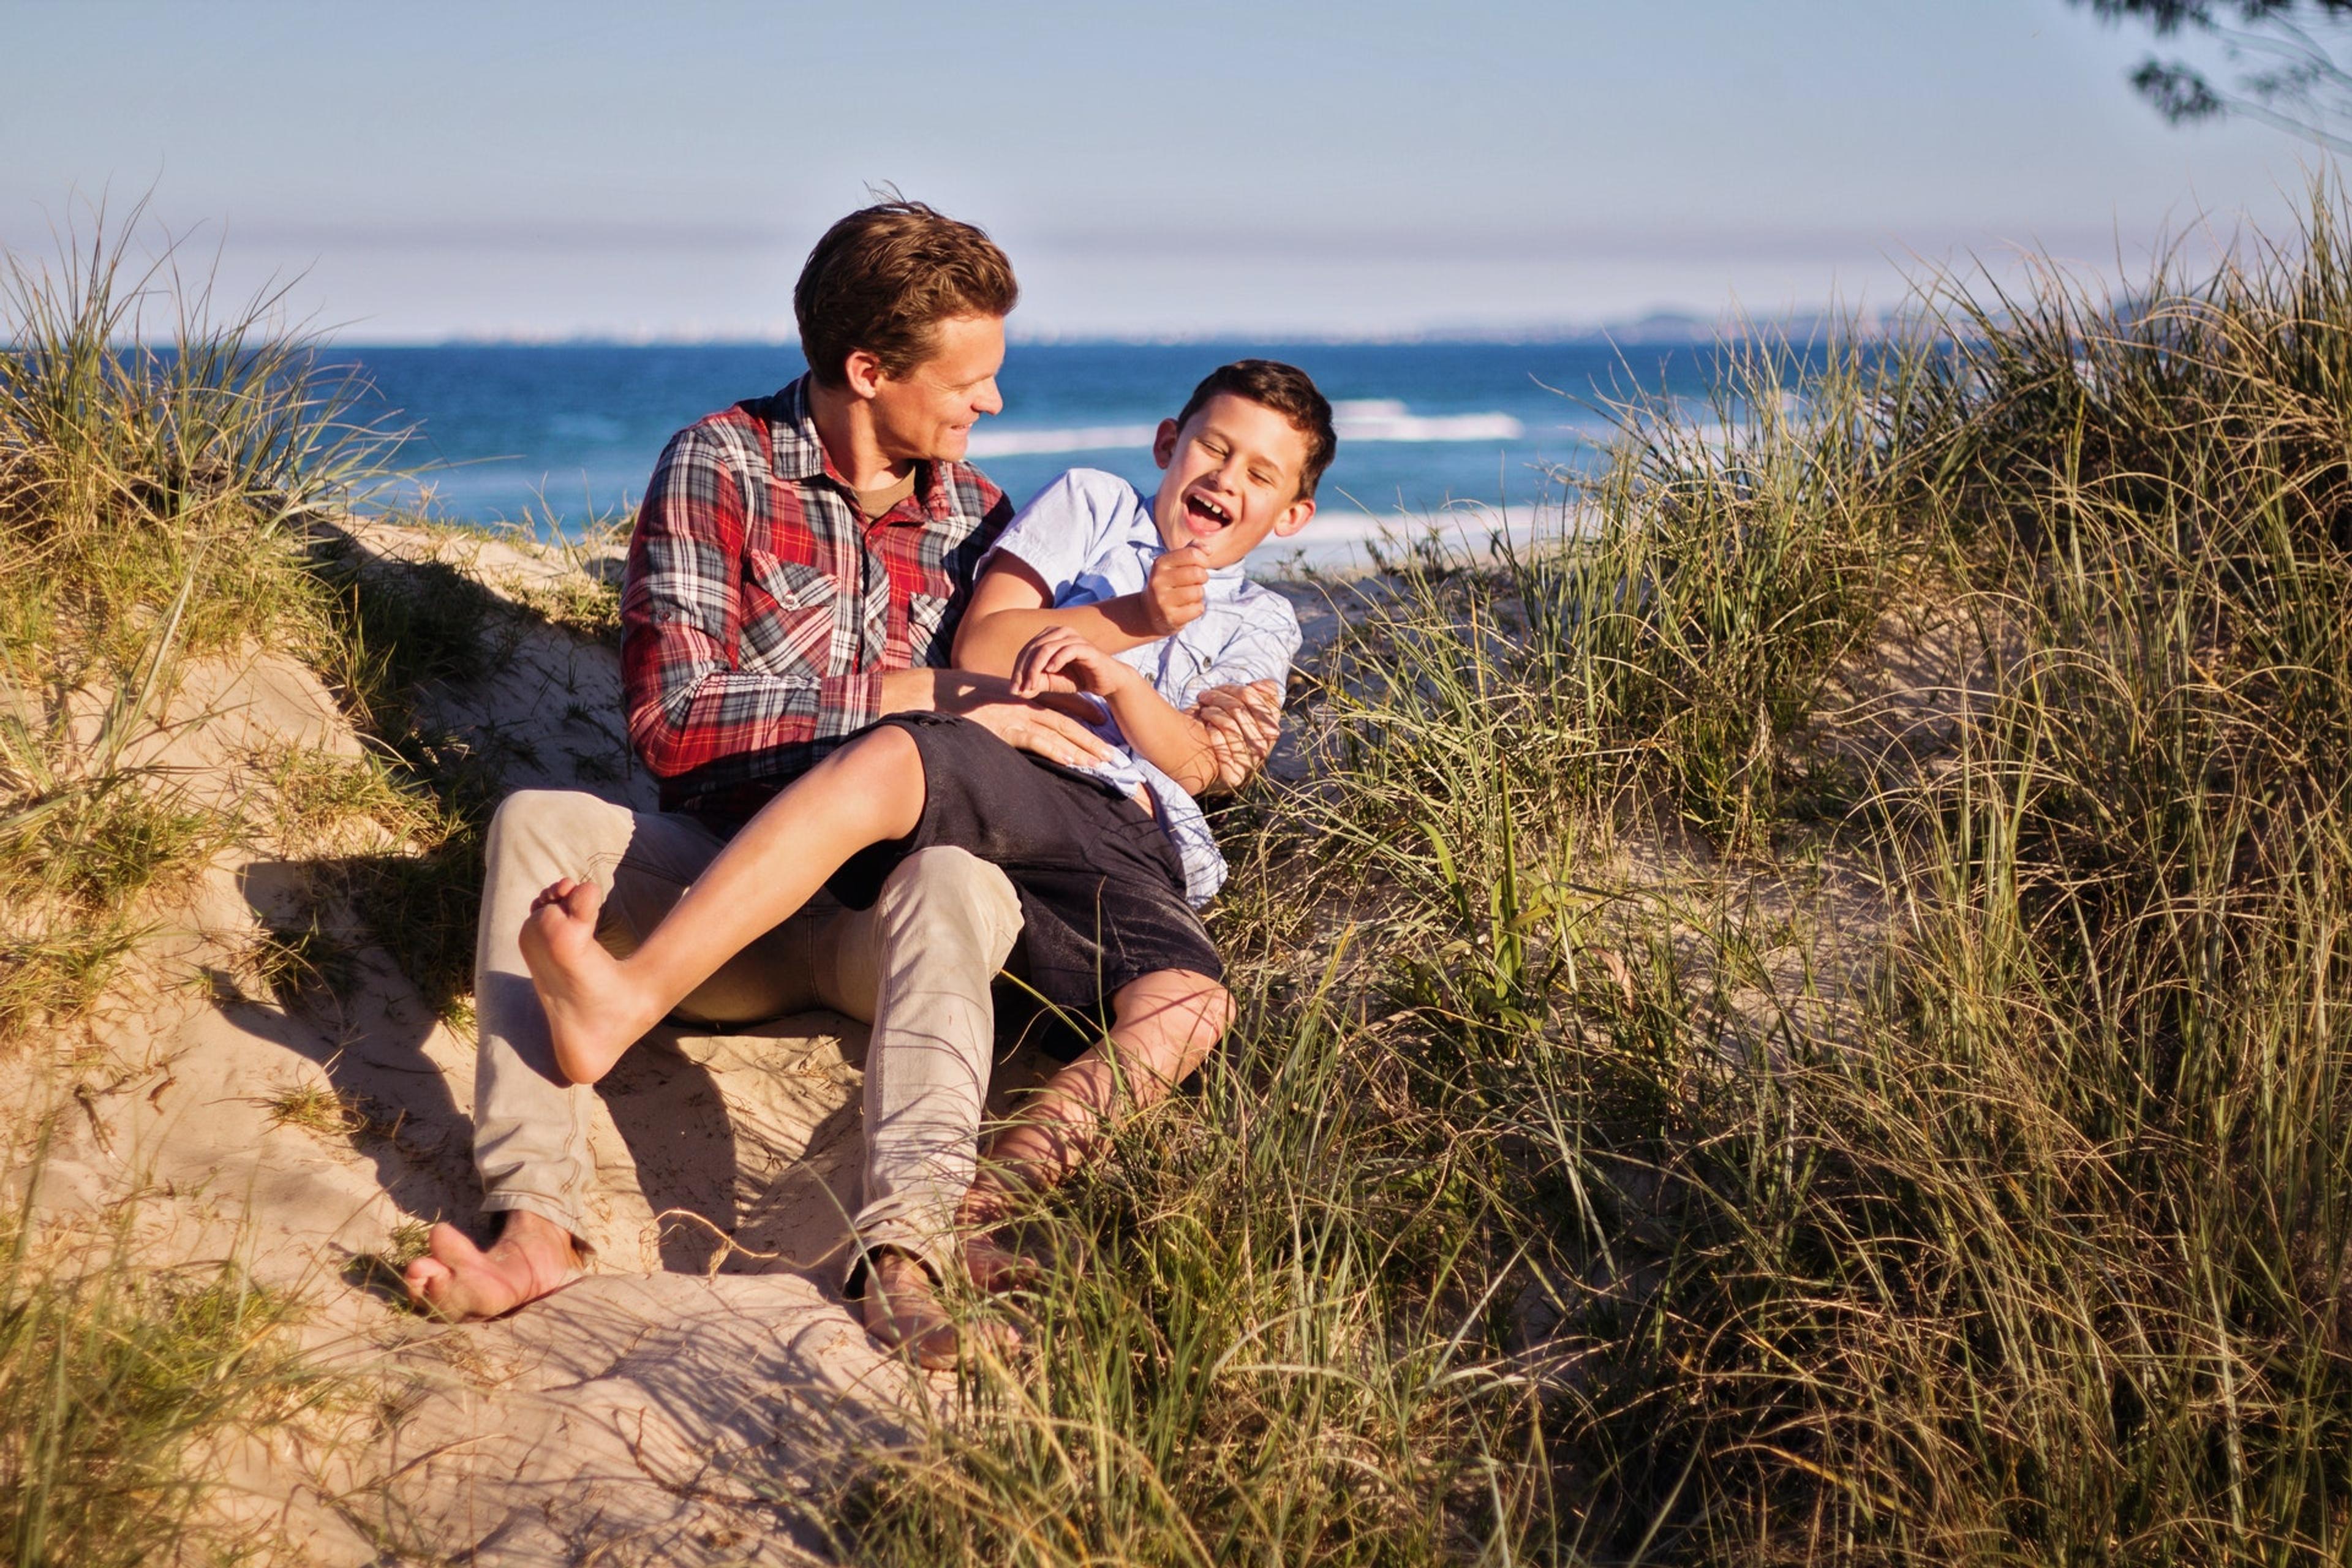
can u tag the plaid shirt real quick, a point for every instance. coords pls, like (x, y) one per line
(760, 607)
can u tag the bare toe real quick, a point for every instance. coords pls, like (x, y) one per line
(457, 1282)
(997, 1268)
(903, 1312)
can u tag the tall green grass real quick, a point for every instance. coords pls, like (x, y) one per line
(158, 480)
(1803, 1020)
(152, 437)
(170, 476)
(170, 471)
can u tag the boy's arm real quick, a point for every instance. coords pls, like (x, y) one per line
(1061, 659)
(1011, 605)
(1242, 707)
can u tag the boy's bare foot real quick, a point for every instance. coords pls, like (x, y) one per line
(593, 1012)
(457, 1282)
(903, 1313)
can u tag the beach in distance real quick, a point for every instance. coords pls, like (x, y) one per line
(1472, 433)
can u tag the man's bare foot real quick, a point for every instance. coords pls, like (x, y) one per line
(592, 1012)
(457, 1282)
(997, 1268)
(903, 1313)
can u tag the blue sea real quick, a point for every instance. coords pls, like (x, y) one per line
(1459, 434)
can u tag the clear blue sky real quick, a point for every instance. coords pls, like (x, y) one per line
(1269, 166)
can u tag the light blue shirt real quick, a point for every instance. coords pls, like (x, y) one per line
(1090, 536)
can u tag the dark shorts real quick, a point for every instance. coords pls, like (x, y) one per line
(1101, 887)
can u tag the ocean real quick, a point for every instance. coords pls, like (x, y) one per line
(1454, 436)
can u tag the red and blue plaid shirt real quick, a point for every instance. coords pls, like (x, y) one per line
(760, 607)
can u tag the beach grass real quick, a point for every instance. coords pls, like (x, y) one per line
(1803, 1020)
(1800, 1019)
(120, 1383)
(171, 473)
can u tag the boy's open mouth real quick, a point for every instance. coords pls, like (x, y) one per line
(1206, 510)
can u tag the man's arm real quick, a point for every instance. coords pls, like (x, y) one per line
(1242, 708)
(688, 701)
(1244, 722)
(1040, 725)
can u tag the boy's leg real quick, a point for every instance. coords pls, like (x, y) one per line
(1164, 1025)
(869, 792)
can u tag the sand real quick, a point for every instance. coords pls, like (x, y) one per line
(672, 1404)
(664, 1408)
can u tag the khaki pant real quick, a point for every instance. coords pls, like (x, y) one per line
(917, 966)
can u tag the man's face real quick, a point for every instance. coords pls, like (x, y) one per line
(1232, 479)
(929, 413)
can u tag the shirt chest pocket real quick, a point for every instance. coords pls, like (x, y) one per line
(927, 615)
(789, 616)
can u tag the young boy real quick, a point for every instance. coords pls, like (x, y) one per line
(1089, 590)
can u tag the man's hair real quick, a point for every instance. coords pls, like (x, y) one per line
(1289, 391)
(883, 279)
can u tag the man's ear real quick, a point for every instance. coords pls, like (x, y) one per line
(863, 372)
(1164, 445)
(1295, 517)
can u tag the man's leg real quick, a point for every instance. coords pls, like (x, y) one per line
(1163, 1026)
(869, 792)
(934, 939)
(919, 962)
(530, 1129)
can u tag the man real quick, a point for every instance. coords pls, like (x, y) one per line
(797, 572)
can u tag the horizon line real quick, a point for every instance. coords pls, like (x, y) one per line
(1672, 327)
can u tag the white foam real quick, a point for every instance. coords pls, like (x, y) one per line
(1360, 419)
(1048, 443)
(1385, 419)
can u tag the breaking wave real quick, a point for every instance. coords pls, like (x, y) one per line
(1362, 420)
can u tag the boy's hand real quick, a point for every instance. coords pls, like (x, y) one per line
(1244, 722)
(1176, 589)
(1059, 659)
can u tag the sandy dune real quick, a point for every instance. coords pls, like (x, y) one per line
(657, 1408)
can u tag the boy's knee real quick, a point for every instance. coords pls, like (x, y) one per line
(1191, 1016)
(885, 747)
(1212, 1014)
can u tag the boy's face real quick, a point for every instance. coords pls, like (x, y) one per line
(1232, 479)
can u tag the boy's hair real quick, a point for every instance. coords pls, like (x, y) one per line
(883, 279)
(1289, 391)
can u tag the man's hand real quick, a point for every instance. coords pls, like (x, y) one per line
(1043, 725)
(1177, 590)
(1059, 659)
(1244, 722)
